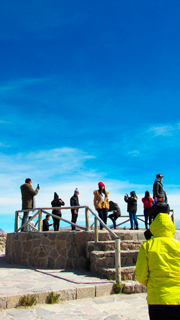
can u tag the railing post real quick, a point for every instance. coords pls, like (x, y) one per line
(118, 260)
(16, 221)
(87, 218)
(40, 220)
(96, 229)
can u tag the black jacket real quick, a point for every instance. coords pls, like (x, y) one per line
(132, 204)
(158, 190)
(57, 203)
(74, 201)
(114, 207)
(45, 225)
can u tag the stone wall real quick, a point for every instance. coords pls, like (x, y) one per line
(3, 242)
(56, 249)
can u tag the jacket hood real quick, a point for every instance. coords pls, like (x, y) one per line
(162, 226)
(56, 197)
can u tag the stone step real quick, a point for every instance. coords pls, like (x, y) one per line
(107, 258)
(127, 273)
(130, 286)
(110, 245)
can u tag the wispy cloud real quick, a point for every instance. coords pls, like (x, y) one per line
(163, 130)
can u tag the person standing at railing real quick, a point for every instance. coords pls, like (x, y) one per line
(74, 202)
(28, 194)
(158, 191)
(147, 201)
(101, 202)
(57, 202)
(132, 208)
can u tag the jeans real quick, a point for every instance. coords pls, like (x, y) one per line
(56, 222)
(132, 216)
(164, 312)
(24, 220)
(103, 215)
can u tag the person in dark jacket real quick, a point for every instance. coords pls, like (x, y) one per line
(132, 208)
(158, 191)
(57, 202)
(74, 201)
(116, 212)
(28, 194)
(46, 224)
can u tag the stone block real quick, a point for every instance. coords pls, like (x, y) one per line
(24, 255)
(13, 302)
(51, 263)
(60, 244)
(54, 254)
(103, 289)
(61, 236)
(67, 294)
(3, 303)
(127, 236)
(81, 236)
(42, 262)
(86, 292)
(63, 253)
(45, 241)
(60, 263)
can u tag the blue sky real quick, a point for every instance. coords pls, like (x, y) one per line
(89, 91)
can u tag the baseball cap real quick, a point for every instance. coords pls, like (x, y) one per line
(159, 176)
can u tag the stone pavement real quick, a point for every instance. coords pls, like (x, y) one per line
(114, 307)
(17, 281)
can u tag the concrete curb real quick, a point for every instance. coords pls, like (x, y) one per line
(91, 291)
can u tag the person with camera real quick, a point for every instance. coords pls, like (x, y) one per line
(28, 194)
(132, 208)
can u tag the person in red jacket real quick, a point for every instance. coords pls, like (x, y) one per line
(147, 201)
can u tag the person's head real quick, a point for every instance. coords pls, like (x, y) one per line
(133, 194)
(48, 217)
(147, 194)
(101, 186)
(28, 180)
(76, 192)
(160, 177)
(56, 197)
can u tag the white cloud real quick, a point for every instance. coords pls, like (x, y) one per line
(162, 130)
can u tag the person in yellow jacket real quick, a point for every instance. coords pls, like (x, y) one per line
(101, 202)
(158, 268)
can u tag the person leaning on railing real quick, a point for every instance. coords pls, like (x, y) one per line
(28, 194)
(101, 202)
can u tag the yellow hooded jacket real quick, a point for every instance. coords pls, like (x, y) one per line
(158, 263)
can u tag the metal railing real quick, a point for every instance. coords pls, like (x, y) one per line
(40, 211)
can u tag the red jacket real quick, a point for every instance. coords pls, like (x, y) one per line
(147, 204)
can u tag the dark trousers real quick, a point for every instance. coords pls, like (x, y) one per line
(146, 215)
(103, 215)
(24, 220)
(74, 219)
(56, 222)
(113, 217)
(164, 312)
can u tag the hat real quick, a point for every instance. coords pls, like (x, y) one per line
(56, 197)
(159, 176)
(101, 184)
(76, 190)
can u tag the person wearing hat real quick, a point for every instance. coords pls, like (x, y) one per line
(101, 202)
(57, 202)
(74, 201)
(158, 191)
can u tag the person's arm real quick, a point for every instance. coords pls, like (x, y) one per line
(142, 271)
(32, 191)
(95, 200)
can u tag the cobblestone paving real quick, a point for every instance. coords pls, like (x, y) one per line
(114, 307)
